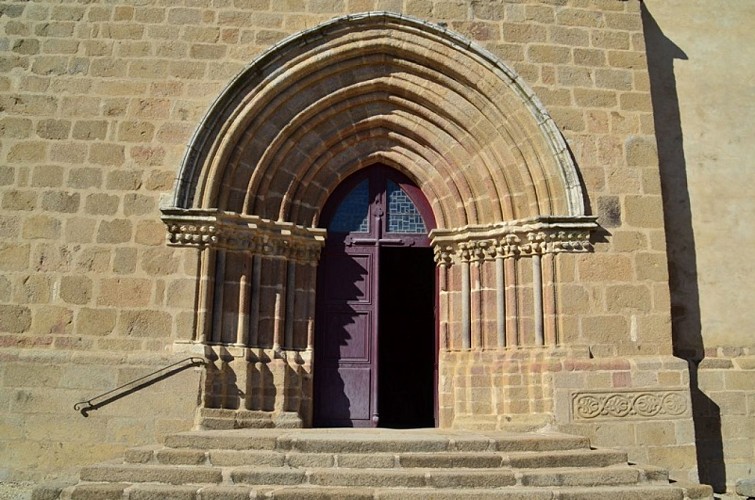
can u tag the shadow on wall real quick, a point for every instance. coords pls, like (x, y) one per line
(680, 246)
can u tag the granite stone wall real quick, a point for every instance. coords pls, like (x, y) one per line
(98, 102)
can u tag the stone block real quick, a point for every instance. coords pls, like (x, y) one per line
(60, 201)
(615, 79)
(52, 319)
(93, 259)
(95, 321)
(89, 130)
(14, 319)
(226, 458)
(162, 492)
(115, 231)
(124, 292)
(150, 233)
(595, 98)
(573, 37)
(145, 323)
(53, 129)
(19, 200)
(656, 433)
(42, 227)
(746, 487)
(131, 131)
(643, 211)
(85, 177)
(579, 17)
(651, 266)
(261, 475)
(76, 289)
(34, 289)
(673, 457)
(181, 457)
(226, 493)
(47, 176)
(101, 204)
(549, 54)
(578, 477)
(124, 261)
(569, 119)
(15, 128)
(107, 154)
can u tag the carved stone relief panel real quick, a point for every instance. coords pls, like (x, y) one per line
(635, 404)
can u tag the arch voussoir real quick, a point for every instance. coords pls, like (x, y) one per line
(387, 89)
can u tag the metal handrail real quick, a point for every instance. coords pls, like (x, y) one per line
(84, 407)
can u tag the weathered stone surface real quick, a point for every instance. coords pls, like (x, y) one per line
(268, 475)
(154, 473)
(244, 457)
(95, 491)
(162, 492)
(226, 493)
(14, 319)
(746, 487)
(100, 100)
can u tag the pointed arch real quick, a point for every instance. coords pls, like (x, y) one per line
(379, 86)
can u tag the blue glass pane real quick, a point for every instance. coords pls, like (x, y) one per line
(352, 215)
(403, 216)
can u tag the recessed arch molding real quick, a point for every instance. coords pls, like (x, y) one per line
(374, 88)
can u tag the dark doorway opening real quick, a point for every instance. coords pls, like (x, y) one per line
(406, 340)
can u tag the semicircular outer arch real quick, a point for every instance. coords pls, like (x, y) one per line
(379, 87)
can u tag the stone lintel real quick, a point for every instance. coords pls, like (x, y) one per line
(238, 232)
(524, 237)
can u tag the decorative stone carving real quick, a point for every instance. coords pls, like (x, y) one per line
(523, 238)
(629, 404)
(230, 231)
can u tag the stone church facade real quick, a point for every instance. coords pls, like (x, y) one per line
(218, 180)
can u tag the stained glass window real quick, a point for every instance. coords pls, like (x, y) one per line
(403, 216)
(352, 214)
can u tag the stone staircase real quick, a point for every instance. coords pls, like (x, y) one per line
(372, 464)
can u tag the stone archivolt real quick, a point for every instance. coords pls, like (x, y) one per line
(383, 88)
(366, 89)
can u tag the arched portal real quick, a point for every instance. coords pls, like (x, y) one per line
(321, 106)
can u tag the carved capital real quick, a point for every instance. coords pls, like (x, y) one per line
(244, 233)
(513, 239)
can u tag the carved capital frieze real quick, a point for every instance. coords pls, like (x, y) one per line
(243, 233)
(522, 238)
(643, 404)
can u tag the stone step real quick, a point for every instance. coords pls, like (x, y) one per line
(438, 478)
(222, 419)
(138, 473)
(124, 491)
(395, 477)
(373, 441)
(376, 464)
(459, 459)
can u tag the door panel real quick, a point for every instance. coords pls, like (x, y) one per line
(348, 333)
(351, 282)
(346, 356)
(345, 404)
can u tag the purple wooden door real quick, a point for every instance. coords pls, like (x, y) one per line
(348, 321)
(347, 316)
